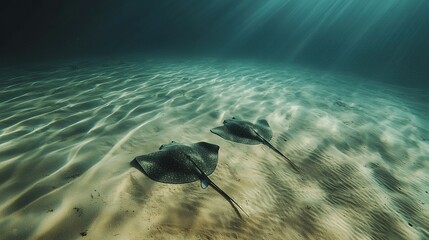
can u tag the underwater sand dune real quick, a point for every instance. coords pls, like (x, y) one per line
(69, 131)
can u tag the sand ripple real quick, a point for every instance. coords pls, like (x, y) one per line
(68, 132)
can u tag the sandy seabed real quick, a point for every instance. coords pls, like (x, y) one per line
(68, 132)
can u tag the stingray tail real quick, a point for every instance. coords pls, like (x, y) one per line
(228, 198)
(294, 166)
(220, 191)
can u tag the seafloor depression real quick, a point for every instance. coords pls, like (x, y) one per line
(68, 132)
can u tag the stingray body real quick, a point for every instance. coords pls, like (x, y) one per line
(249, 133)
(184, 163)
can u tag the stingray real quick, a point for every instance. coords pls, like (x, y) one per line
(248, 133)
(184, 163)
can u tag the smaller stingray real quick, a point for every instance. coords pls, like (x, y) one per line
(184, 163)
(248, 133)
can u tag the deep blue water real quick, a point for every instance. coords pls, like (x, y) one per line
(384, 39)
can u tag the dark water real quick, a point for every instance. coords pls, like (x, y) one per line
(385, 40)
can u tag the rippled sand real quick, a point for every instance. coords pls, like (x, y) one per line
(69, 131)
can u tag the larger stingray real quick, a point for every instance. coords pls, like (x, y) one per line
(184, 163)
(248, 133)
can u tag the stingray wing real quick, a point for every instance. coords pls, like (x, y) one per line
(207, 156)
(163, 166)
(263, 128)
(171, 164)
(226, 133)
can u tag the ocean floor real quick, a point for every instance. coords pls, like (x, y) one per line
(68, 132)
